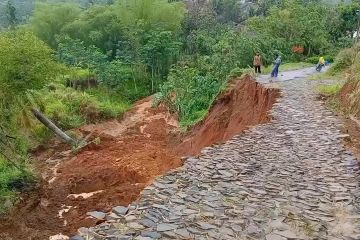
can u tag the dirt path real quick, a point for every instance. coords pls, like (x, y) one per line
(288, 179)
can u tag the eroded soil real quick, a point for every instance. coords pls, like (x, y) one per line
(146, 143)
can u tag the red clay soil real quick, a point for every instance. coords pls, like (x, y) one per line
(245, 103)
(345, 92)
(351, 125)
(131, 154)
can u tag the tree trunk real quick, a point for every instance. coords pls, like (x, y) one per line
(49, 124)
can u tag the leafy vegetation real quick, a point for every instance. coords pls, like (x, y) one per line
(85, 61)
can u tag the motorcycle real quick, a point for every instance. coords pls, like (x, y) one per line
(319, 67)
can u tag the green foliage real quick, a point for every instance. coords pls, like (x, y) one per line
(150, 14)
(116, 75)
(74, 53)
(69, 108)
(26, 62)
(315, 59)
(343, 60)
(12, 181)
(160, 51)
(11, 14)
(50, 18)
(330, 90)
(190, 93)
(293, 24)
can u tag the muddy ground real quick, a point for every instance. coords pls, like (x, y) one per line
(131, 153)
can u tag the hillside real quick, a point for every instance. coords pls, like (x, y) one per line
(24, 9)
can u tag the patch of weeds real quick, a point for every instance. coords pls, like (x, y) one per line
(12, 181)
(330, 90)
(329, 94)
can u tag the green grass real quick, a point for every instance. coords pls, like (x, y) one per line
(330, 90)
(287, 67)
(12, 179)
(327, 76)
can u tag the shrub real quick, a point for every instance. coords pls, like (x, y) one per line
(343, 60)
(69, 108)
(315, 59)
(236, 72)
(26, 62)
(190, 94)
(12, 180)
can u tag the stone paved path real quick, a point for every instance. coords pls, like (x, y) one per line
(289, 179)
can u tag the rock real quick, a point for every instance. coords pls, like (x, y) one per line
(152, 235)
(59, 237)
(120, 210)
(287, 234)
(97, 215)
(206, 226)
(170, 235)
(143, 238)
(189, 211)
(130, 218)
(274, 237)
(278, 225)
(147, 223)
(226, 231)
(135, 225)
(236, 228)
(161, 207)
(83, 231)
(183, 233)
(208, 214)
(123, 237)
(253, 230)
(163, 227)
(77, 237)
(112, 216)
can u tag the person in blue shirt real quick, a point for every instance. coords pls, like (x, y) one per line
(275, 71)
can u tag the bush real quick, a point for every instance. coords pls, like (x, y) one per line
(190, 94)
(236, 72)
(26, 62)
(343, 60)
(69, 108)
(12, 180)
(315, 59)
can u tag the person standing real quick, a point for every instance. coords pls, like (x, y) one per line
(257, 63)
(275, 71)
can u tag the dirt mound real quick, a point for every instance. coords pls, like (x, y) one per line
(131, 153)
(245, 103)
(345, 92)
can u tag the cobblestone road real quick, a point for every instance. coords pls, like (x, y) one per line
(288, 179)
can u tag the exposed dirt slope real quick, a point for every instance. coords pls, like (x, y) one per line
(130, 155)
(132, 152)
(245, 103)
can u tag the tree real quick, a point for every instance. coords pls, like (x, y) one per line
(50, 18)
(74, 53)
(11, 14)
(293, 24)
(150, 14)
(349, 17)
(99, 26)
(159, 53)
(26, 62)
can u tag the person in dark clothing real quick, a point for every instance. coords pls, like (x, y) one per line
(257, 63)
